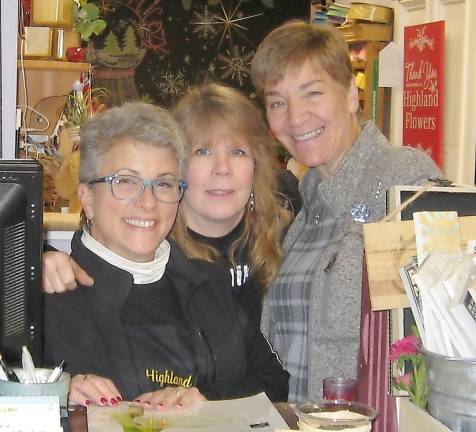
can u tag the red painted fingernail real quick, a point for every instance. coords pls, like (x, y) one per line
(119, 398)
(87, 402)
(103, 400)
(113, 401)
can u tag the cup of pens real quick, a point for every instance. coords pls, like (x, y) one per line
(31, 381)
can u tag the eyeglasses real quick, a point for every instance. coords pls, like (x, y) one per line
(129, 187)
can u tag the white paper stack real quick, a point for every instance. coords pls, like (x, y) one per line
(442, 287)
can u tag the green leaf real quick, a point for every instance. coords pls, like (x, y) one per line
(91, 11)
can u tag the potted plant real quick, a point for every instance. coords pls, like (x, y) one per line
(79, 106)
(86, 19)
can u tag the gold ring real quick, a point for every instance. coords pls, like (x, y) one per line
(178, 393)
(85, 377)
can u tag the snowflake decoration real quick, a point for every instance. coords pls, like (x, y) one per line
(225, 22)
(211, 67)
(422, 40)
(204, 26)
(232, 21)
(236, 65)
(171, 84)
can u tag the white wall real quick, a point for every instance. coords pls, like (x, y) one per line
(460, 77)
(9, 23)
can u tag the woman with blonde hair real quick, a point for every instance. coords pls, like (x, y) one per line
(230, 213)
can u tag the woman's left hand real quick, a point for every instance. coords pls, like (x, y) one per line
(170, 397)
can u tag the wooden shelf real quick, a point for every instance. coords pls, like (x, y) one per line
(47, 84)
(61, 221)
(358, 65)
(49, 65)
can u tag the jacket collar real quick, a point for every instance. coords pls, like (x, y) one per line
(339, 189)
(180, 267)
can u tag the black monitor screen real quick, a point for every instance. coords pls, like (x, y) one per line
(21, 236)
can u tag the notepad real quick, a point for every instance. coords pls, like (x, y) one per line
(30, 414)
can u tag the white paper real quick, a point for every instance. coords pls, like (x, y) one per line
(390, 69)
(235, 415)
(446, 332)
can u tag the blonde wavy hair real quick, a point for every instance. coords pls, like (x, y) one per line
(215, 104)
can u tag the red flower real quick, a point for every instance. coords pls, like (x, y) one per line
(406, 346)
(404, 380)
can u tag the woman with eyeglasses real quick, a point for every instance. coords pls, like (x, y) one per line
(155, 327)
(230, 213)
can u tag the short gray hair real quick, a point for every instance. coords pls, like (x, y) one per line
(141, 122)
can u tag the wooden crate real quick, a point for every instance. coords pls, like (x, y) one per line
(389, 246)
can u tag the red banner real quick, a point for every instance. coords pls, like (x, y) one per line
(423, 88)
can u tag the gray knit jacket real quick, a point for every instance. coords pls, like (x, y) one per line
(370, 168)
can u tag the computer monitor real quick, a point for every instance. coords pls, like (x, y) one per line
(21, 245)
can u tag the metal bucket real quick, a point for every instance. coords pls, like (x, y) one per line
(452, 391)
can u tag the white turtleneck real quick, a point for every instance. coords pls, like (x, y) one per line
(142, 272)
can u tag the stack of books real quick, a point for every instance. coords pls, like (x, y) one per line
(368, 22)
(318, 11)
(337, 13)
(328, 11)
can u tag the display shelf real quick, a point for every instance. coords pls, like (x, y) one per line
(47, 84)
(49, 65)
(373, 97)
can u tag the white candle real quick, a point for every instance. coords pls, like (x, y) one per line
(337, 415)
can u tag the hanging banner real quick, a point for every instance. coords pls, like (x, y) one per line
(423, 88)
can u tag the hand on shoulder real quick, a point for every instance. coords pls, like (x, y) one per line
(60, 273)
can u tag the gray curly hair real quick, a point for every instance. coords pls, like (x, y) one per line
(141, 122)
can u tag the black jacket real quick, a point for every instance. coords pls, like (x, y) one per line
(216, 347)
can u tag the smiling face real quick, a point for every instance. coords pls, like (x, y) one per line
(133, 229)
(220, 181)
(313, 117)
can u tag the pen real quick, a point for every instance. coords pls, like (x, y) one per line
(28, 366)
(3, 370)
(12, 376)
(7, 374)
(56, 373)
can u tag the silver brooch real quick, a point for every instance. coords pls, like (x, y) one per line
(379, 189)
(360, 212)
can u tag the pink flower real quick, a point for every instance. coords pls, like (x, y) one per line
(406, 346)
(404, 380)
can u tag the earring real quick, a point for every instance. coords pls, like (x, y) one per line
(251, 205)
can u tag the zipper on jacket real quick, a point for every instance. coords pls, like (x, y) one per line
(211, 369)
(210, 366)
